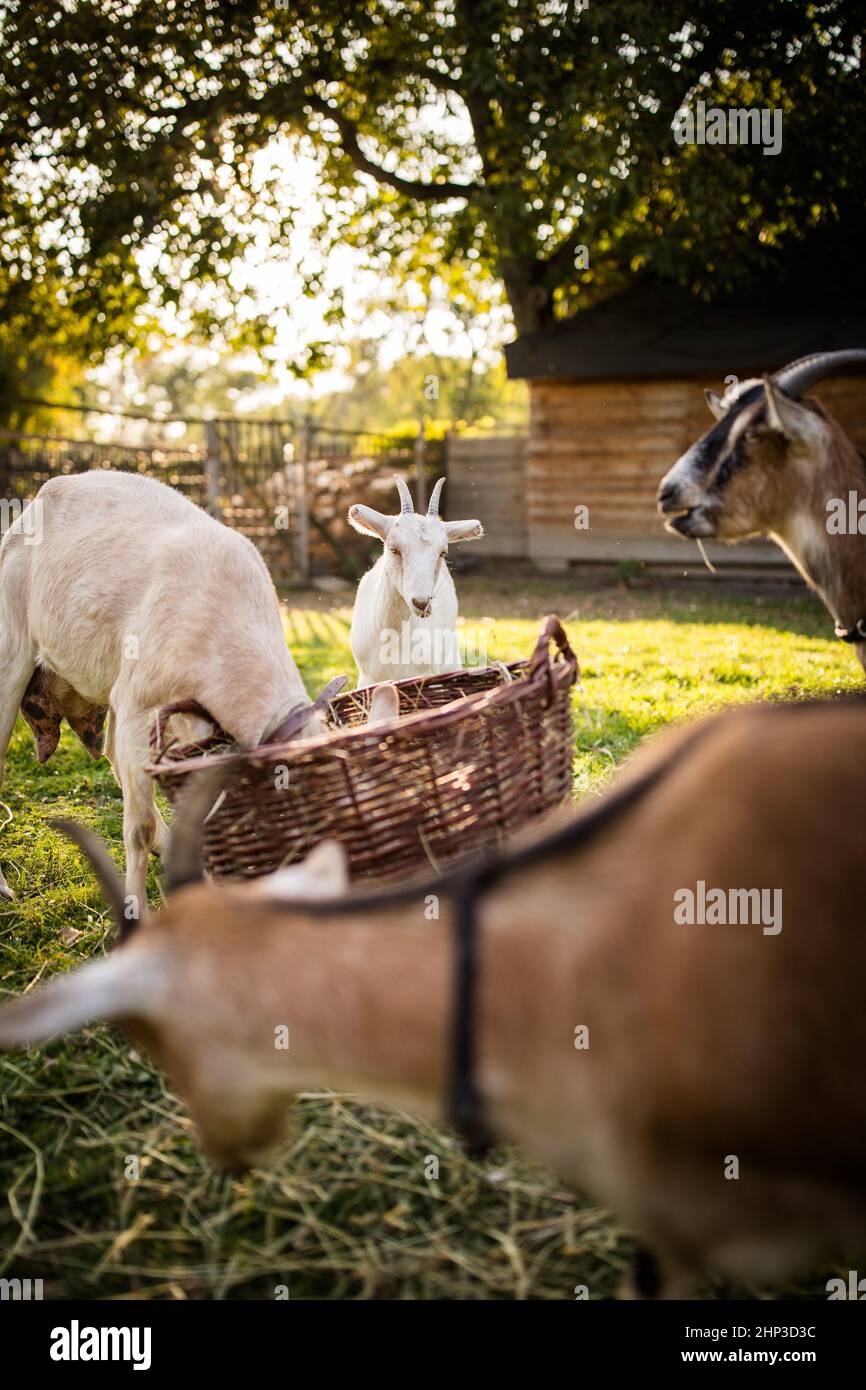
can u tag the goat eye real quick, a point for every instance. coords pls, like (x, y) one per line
(394, 551)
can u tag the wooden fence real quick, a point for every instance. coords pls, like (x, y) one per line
(286, 485)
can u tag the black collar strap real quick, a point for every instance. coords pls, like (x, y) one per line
(465, 1108)
(297, 717)
(857, 633)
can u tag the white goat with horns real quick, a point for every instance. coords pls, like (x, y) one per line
(405, 618)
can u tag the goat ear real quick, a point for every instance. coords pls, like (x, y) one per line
(384, 705)
(323, 874)
(716, 403)
(103, 989)
(369, 522)
(785, 416)
(463, 531)
(328, 862)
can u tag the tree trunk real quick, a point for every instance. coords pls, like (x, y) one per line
(531, 301)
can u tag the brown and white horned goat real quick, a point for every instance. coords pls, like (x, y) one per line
(777, 465)
(703, 1080)
(123, 594)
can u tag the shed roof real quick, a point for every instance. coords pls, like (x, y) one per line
(653, 330)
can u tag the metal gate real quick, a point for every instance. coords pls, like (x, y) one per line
(287, 485)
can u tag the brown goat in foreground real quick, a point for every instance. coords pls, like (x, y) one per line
(709, 1046)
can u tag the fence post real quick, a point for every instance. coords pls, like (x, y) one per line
(302, 512)
(213, 471)
(420, 476)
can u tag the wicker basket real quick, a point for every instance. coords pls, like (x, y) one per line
(474, 755)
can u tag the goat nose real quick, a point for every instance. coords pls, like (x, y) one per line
(668, 495)
(421, 604)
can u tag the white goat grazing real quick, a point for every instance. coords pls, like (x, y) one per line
(137, 598)
(405, 618)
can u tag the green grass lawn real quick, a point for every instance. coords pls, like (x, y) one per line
(347, 1211)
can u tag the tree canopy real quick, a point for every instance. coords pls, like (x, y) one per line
(485, 139)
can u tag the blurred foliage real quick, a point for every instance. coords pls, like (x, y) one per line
(483, 140)
(443, 391)
(188, 383)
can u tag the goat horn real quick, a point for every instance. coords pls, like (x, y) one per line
(407, 506)
(798, 376)
(433, 509)
(183, 861)
(96, 852)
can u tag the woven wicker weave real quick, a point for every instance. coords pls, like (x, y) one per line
(474, 755)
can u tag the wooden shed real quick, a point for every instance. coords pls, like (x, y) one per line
(617, 395)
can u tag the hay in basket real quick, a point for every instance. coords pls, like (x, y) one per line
(474, 755)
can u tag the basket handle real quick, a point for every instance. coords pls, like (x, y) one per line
(552, 631)
(157, 731)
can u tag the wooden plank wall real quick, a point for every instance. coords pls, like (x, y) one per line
(487, 479)
(846, 399)
(606, 445)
